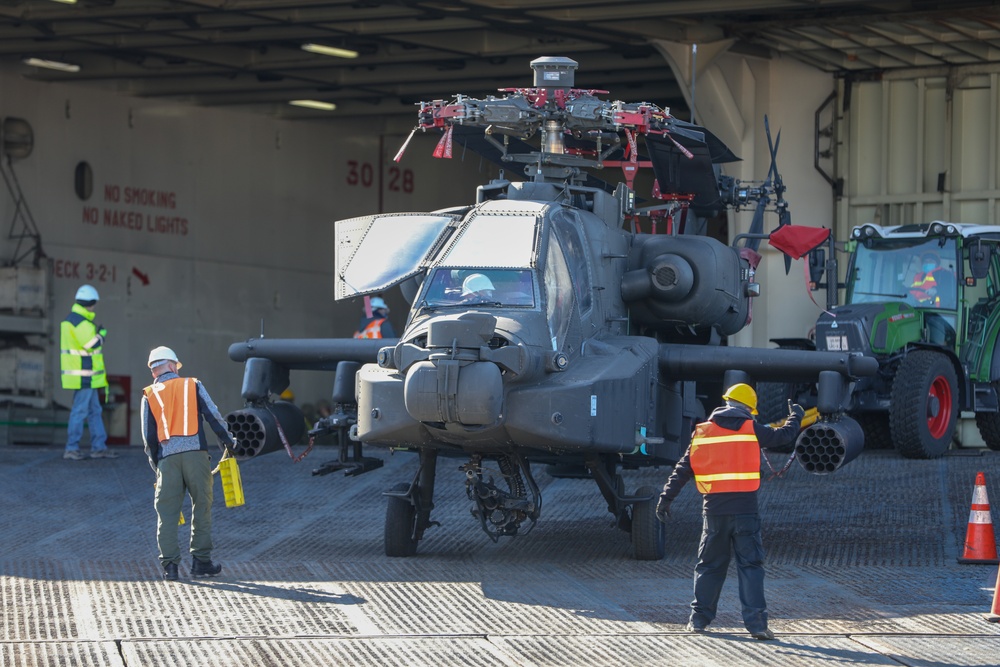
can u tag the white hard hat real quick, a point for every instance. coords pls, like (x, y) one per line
(378, 303)
(160, 354)
(477, 282)
(87, 293)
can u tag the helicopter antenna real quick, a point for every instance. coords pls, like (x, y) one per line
(694, 70)
(262, 327)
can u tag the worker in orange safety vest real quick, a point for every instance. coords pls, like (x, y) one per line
(171, 412)
(377, 325)
(724, 458)
(924, 287)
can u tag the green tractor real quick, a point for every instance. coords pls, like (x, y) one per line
(923, 300)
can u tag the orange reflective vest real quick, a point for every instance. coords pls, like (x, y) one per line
(174, 405)
(922, 284)
(725, 461)
(372, 330)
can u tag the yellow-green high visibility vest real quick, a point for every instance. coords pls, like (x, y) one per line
(81, 360)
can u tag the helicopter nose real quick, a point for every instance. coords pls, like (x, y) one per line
(447, 390)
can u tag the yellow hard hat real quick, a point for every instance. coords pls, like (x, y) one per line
(287, 395)
(742, 393)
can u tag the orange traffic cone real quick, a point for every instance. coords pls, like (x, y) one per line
(994, 615)
(980, 542)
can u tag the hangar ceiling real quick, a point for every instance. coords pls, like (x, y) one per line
(248, 53)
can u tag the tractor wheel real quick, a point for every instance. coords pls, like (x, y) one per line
(923, 406)
(876, 428)
(400, 520)
(772, 405)
(772, 401)
(648, 534)
(989, 428)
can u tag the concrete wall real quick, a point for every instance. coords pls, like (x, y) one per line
(788, 92)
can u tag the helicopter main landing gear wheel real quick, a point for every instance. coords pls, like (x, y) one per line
(648, 533)
(400, 524)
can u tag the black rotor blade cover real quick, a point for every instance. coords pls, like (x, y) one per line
(678, 174)
(686, 132)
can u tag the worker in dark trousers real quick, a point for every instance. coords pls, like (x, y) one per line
(724, 458)
(172, 411)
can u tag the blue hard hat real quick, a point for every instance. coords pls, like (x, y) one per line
(378, 303)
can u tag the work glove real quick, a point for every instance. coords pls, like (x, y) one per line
(663, 509)
(101, 331)
(796, 410)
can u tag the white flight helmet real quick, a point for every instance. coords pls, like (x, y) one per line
(87, 293)
(158, 355)
(477, 282)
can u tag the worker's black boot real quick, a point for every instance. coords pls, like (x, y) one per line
(170, 572)
(204, 568)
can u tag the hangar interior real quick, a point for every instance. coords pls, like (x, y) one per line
(152, 149)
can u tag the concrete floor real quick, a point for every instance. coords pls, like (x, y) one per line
(862, 568)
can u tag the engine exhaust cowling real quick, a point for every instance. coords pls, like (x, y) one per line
(685, 280)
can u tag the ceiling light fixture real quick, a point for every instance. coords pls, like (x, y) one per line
(66, 2)
(51, 64)
(330, 51)
(314, 104)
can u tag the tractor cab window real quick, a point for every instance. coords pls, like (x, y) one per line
(497, 288)
(923, 274)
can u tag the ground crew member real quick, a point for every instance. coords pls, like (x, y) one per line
(924, 287)
(172, 410)
(82, 364)
(378, 325)
(724, 458)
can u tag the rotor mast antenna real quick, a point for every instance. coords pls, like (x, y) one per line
(555, 77)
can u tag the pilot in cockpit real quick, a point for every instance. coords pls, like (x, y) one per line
(477, 288)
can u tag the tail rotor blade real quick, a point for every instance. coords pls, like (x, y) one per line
(772, 148)
(785, 218)
(757, 224)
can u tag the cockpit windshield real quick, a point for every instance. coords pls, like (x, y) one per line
(922, 274)
(486, 287)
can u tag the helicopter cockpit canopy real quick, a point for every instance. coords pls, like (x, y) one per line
(376, 252)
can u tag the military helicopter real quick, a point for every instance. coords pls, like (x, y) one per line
(542, 331)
